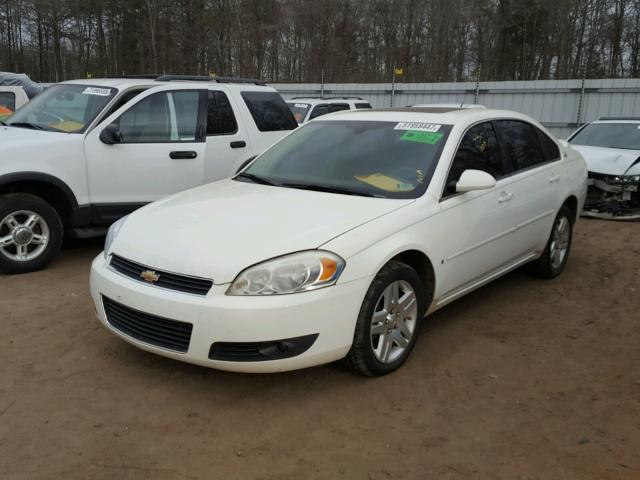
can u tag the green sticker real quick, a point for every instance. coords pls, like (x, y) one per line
(421, 137)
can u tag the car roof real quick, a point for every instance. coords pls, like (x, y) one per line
(449, 105)
(632, 120)
(314, 100)
(436, 115)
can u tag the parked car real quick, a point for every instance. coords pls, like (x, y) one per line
(308, 108)
(335, 242)
(11, 98)
(611, 148)
(84, 153)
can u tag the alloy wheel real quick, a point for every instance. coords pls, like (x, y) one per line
(24, 235)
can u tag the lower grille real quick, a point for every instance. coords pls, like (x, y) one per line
(162, 332)
(171, 281)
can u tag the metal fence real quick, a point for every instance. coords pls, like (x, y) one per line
(560, 105)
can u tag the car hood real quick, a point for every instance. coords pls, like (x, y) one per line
(12, 137)
(609, 161)
(217, 230)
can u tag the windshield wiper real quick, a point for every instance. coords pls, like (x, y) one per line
(32, 126)
(255, 178)
(327, 189)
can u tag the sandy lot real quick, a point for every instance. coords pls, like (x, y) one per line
(523, 379)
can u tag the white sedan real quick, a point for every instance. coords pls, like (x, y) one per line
(338, 240)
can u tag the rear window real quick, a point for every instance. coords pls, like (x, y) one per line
(362, 105)
(220, 117)
(269, 111)
(549, 147)
(7, 103)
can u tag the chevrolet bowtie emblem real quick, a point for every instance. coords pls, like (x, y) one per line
(150, 276)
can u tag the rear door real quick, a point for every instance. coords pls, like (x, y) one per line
(534, 183)
(162, 151)
(228, 144)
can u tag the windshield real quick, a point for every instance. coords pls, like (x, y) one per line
(611, 135)
(370, 158)
(63, 108)
(299, 110)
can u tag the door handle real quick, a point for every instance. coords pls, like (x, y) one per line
(238, 144)
(554, 179)
(183, 155)
(505, 197)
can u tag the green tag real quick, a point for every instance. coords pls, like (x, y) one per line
(422, 137)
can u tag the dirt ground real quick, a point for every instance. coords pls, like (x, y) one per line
(523, 379)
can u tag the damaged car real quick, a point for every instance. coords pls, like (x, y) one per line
(611, 148)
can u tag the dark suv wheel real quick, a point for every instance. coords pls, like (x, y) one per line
(30, 233)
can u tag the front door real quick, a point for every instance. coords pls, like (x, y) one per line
(162, 151)
(481, 240)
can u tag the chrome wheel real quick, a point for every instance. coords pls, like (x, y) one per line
(393, 322)
(559, 242)
(24, 235)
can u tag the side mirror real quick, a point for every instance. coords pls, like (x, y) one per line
(472, 180)
(111, 134)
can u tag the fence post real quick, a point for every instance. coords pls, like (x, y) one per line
(393, 85)
(322, 83)
(477, 93)
(581, 100)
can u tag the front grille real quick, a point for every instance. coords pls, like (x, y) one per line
(162, 332)
(171, 281)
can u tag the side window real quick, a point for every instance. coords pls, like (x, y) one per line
(7, 103)
(362, 105)
(549, 147)
(319, 110)
(162, 117)
(126, 97)
(521, 143)
(220, 117)
(338, 107)
(269, 111)
(478, 150)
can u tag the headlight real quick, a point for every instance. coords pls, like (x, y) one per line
(297, 272)
(112, 234)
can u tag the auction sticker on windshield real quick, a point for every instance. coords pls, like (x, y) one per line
(418, 126)
(430, 138)
(103, 92)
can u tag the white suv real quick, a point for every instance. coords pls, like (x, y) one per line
(335, 242)
(308, 108)
(84, 153)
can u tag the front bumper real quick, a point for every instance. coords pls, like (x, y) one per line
(330, 313)
(610, 198)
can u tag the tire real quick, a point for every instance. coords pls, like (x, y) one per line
(552, 262)
(27, 218)
(367, 353)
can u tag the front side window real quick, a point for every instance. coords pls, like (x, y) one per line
(220, 117)
(609, 135)
(338, 107)
(362, 105)
(7, 103)
(521, 143)
(66, 108)
(162, 117)
(299, 110)
(269, 111)
(478, 150)
(381, 159)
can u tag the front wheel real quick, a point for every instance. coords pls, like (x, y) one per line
(30, 233)
(388, 322)
(556, 253)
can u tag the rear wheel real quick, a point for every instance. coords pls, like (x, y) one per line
(30, 233)
(388, 322)
(555, 256)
